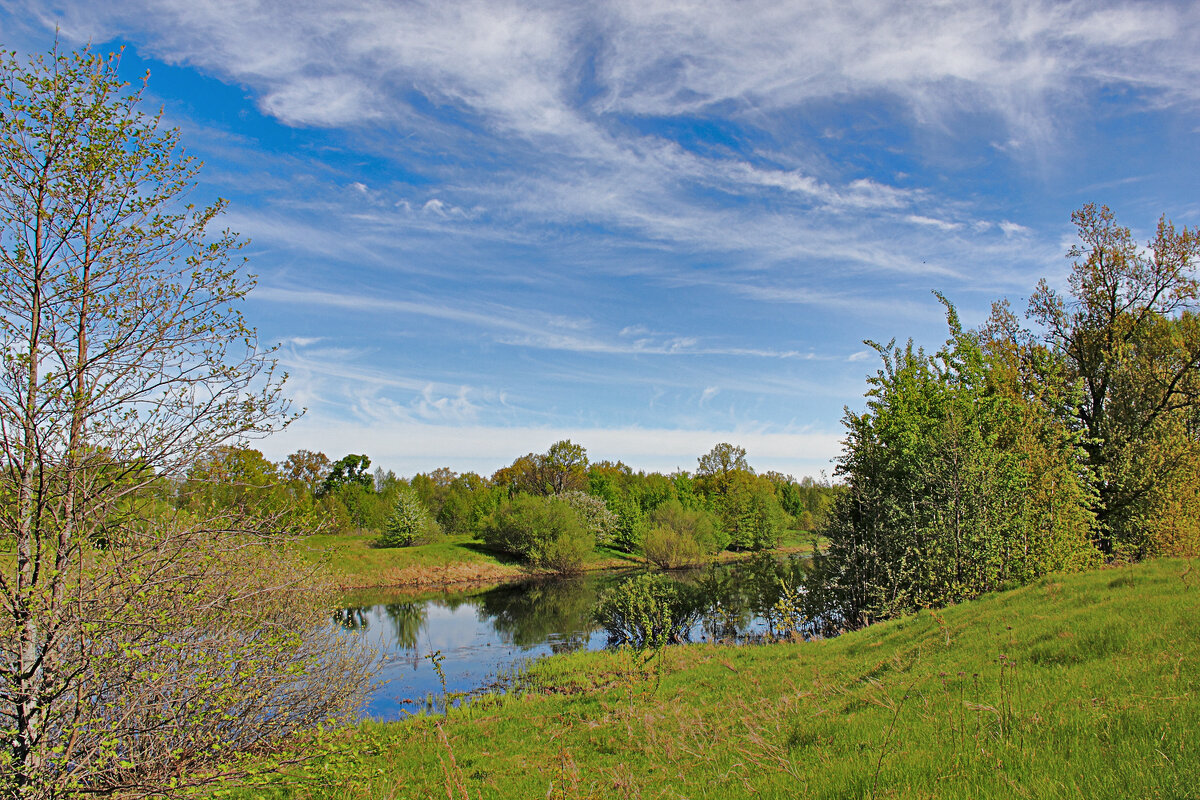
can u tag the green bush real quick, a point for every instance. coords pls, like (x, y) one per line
(680, 537)
(542, 531)
(631, 523)
(409, 522)
(669, 549)
(648, 611)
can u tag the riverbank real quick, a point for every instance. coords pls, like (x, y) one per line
(1076, 686)
(353, 562)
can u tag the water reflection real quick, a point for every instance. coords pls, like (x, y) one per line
(484, 634)
(557, 612)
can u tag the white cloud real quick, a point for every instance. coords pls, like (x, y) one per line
(1012, 228)
(520, 327)
(940, 224)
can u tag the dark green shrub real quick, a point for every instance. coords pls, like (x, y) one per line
(631, 524)
(543, 531)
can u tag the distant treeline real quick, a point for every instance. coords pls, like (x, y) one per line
(549, 508)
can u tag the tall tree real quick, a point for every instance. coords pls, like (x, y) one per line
(1130, 335)
(562, 468)
(124, 358)
(306, 468)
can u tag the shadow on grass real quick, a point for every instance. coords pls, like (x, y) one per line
(483, 550)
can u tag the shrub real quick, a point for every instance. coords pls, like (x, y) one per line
(669, 549)
(409, 522)
(543, 531)
(680, 537)
(648, 611)
(631, 524)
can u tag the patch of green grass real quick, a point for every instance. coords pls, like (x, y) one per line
(1076, 686)
(353, 561)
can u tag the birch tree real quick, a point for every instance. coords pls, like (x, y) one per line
(125, 358)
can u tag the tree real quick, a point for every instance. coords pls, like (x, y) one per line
(679, 537)
(544, 531)
(409, 523)
(349, 470)
(721, 462)
(125, 359)
(306, 468)
(746, 504)
(1130, 335)
(562, 468)
(957, 482)
(565, 467)
(594, 515)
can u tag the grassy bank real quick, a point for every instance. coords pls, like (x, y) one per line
(353, 561)
(1077, 686)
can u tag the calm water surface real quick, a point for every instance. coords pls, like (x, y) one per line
(485, 635)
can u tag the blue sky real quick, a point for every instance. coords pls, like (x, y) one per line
(480, 227)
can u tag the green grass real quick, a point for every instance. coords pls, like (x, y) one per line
(1076, 686)
(353, 561)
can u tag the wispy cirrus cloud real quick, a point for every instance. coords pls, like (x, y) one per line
(537, 215)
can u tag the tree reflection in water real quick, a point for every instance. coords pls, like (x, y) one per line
(406, 619)
(554, 612)
(353, 619)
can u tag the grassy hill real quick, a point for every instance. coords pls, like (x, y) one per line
(1077, 686)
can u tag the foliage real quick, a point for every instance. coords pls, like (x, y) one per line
(944, 499)
(241, 482)
(123, 651)
(349, 470)
(648, 611)
(593, 515)
(465, 503)
(679, 537)
(722, 462)
(630, 528)
(409, 522)
(306, 468)
(1129, 334)
(543, 531)
(668, 549)
(749, 511)
(560, 469)
(746, 504)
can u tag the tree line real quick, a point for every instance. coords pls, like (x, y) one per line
(551, 509)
